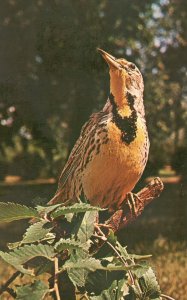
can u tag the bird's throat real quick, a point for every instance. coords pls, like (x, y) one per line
(125, 118)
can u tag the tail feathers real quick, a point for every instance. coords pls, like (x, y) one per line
(57, 198)
(60, 198)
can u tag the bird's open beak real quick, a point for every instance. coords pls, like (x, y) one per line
(111, 60)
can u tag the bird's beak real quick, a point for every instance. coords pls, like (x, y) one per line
(111, 60)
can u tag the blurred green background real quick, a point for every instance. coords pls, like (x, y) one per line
(52, 79)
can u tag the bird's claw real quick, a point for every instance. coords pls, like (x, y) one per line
(132, 200)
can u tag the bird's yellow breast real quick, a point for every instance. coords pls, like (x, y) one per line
(115, 170)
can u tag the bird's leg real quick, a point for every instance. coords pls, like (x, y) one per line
(134, 204)
(98, 227)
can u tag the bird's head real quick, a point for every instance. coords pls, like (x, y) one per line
(125, 79)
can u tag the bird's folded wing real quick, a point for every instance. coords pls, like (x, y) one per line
(77, 154)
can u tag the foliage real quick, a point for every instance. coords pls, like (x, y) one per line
(179, 161)
(66, 243)
(54, 78)
(36, 291)
(11, 211)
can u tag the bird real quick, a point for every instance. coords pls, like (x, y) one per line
(111, 152)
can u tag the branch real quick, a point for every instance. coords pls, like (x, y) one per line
(5, 287)
(56, 289)
(131, 208)
(134, 205)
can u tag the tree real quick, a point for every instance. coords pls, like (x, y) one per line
(59, 79)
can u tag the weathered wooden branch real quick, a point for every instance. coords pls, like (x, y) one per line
(133, 207)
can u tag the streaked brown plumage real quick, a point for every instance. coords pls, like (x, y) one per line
(111, 153)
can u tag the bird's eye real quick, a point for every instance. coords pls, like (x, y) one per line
(132, 66)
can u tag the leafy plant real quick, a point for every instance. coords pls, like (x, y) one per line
(83, 259)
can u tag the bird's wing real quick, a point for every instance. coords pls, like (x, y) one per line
(88, 131)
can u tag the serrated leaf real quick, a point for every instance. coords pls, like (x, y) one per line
(33, 291)
(100, 281)
(12, 246)
(77, 276)
(47, 209)
(134, 293)
(149, 285)
(122, 250)
(69, 217)
(85, 226)
(140, 269)
(93, 264)
(117, 290)
(20, 256)
(37, 232)
(76, 208)
(90, 264)
(69, 244)
(78, 270)
(12, 211)
(46, 266)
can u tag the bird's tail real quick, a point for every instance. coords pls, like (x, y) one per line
(57, 198)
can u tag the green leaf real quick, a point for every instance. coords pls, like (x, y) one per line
(47, 209)
(44, 266)
(20, 256)
(134, 293)
(37, 232)
(69, 244)
(122, 250)
(111, 237)
(77, 275)
(33, 291)
(76, 208)
(140, 269)
(11, 211)
(90, 264)
(93, 264)
(12, 246)
(99, 282)
(140, 257)
(79, 269)
(85, 227)
(69, 217)
(149, 285)
(117, 290)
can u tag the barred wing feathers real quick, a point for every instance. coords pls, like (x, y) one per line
(77, 155)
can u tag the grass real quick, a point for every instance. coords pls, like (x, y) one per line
(171, 269)
(169, 263)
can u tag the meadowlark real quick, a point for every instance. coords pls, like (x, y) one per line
(111, 153)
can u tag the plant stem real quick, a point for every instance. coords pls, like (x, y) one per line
(167, 297)
(56, 279)
(104, 238)
(9, 281)
(11, 292)
(123, 261)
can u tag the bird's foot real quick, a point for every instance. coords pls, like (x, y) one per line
(133, 202)
(107, 226)
(99, 226)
